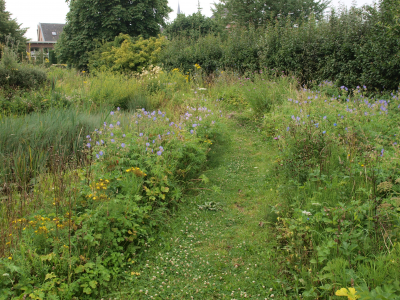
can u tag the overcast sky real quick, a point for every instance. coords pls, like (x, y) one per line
(30, 12)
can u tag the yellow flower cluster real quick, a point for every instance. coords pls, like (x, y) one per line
(23, 220)
(136, 171)
(350, 293)
(197, 66)
(42, 229)
(135, 273)
(40, 224)
(208, 141)
(99, 186)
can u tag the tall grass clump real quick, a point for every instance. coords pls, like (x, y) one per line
(28, 141)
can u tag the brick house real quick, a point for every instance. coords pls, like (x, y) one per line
(47, 36)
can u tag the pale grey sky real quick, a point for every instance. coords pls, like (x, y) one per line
(31, 12)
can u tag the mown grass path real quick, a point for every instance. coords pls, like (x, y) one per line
(221, 254)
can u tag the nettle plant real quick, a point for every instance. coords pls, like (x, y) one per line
(139, 166)
(339, 179)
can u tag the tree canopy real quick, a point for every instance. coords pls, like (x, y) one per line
(10, 27)
(258, 12)
(194, 25)
(89, 21)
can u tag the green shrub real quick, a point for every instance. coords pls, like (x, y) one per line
(126, 54)
(183, 53)
(23, 76)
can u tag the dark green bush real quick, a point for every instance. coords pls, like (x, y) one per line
(184, 53)
(23, 76)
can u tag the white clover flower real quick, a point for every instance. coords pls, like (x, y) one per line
(307, 213)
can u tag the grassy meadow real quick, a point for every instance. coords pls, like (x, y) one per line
(194, 183)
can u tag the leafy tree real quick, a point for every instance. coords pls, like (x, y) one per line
(103, 20)
(10, 29)
(259, 12)
(194, 26)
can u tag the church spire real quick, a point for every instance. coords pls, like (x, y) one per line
(179, 9)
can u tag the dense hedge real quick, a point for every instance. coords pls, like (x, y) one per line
(25, 77)
(354, 47)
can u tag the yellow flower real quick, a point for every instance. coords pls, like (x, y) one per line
(350, 293)
(135, 273)
(10, 258)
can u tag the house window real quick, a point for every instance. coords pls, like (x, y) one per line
(54, 33)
